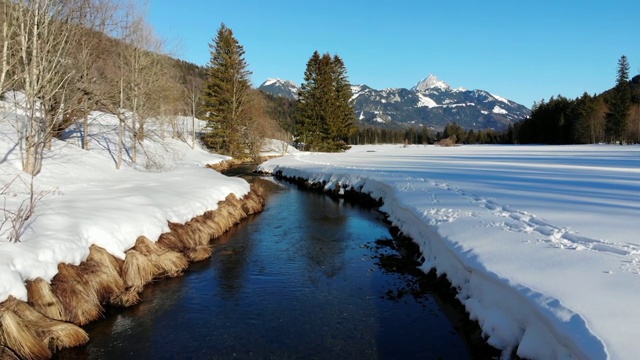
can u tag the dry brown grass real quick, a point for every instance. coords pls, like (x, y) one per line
(199, 253)
(138, 270)
(21, 338)
(55, 334)
(7, 354)
(102, 271)
(42, 298)
(224, 165)
(31, 335)
(78, 297)
(171, 241)
(148, 247)
(254, 201)
(172, 263)
(201, 229)
(128, 298)
(166, 260)
(214, 228)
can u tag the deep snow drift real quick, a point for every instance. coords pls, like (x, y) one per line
(86, 201)
(541, 241)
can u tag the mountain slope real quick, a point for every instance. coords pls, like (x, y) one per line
(279, 87)
(430, 102)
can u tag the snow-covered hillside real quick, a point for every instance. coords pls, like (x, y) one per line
(540, 241)
(85, 200)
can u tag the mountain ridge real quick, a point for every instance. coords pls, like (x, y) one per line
(430, 102)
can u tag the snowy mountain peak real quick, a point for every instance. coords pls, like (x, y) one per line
(276, 81)
(280, 87)
(431, 82)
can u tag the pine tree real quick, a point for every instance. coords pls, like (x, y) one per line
(227, 96)
(342, 125)
(619, 102)
(307, 104)
(325, 117)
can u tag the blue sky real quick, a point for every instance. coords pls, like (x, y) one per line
(522, 50)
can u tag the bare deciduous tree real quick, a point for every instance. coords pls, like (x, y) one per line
(194, 91)
(7, 33)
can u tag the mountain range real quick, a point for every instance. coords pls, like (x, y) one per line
(430, 102)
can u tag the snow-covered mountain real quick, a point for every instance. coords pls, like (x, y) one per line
(280, 87)
(431, 82)
(430, 102)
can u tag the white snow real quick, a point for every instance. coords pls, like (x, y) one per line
(461, 104)
(498, 110)
(500, 98)
(272, 147)
(425, 101)
(431, 82)
(270, 81)
(87, 201)
(540, 241)
(286, 83)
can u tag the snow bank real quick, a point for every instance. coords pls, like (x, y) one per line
(86, 201)
(541, 242)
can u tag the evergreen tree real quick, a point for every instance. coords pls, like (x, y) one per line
(619, 103)
(325, 117)
(227, 96)
(342, 124)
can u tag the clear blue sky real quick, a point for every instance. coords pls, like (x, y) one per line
(522, 50)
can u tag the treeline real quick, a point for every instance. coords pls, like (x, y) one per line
(611, 117)
(452, 133)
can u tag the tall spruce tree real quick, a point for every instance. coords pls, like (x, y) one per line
(325, 117)
(227, 96)
(343, 124)
(619, 102)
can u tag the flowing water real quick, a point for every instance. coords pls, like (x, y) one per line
(310, 277)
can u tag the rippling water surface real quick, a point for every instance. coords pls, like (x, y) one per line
(300, 280)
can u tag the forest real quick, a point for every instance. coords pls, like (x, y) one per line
(589, 119)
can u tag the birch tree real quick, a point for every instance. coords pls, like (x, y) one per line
(194, 98)
(6, 41)
(43, 36)
(147, 82)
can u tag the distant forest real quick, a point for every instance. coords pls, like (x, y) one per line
(583, 120)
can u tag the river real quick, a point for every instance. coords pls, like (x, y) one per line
(308, 278)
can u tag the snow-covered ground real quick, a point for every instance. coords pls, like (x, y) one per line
(542, 242)
(86, 201)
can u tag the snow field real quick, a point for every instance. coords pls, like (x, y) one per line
(541, 242)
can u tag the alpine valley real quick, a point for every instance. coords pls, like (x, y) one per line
(431, 102)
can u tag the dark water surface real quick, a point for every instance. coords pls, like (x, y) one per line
(301, 280)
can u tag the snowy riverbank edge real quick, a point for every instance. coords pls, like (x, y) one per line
(514, 318)
(46, 321)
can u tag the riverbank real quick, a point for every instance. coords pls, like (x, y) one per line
(77, 295)
(532, 248)
(92, 224)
